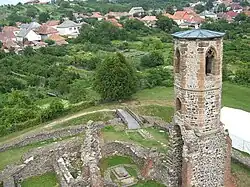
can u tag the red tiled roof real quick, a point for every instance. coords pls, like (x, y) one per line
(4, 36)
(45, 29)
(247, 12)
(149, 18)
(10, 28)
(117, 14)
(96, 15)
(180, 14)
(114, 22)
(232, 14)
(58, 39)
(53, 22)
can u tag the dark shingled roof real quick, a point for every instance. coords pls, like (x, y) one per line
(198, 34)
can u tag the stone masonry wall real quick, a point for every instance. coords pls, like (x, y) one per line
(200, 94)
(39, 161)
(42, 136)
(142, 157)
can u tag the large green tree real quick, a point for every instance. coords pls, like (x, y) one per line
(115, 78)
(165, 23)
(43, 17)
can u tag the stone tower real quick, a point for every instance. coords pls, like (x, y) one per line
(199, 144)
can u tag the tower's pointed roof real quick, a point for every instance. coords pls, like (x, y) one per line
(198, 34)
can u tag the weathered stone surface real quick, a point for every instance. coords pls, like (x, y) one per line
(42, 136)
(240, 157)
(198, 152)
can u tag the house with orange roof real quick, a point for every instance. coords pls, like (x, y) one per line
(53, 23)
(114, 22)
(13, 29)
(149, 21)
(186, 18)
(117, 15)
(59, 40)
(247, 12)
(97, 15)
(45, 31)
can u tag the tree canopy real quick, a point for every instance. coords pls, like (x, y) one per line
(115, 78)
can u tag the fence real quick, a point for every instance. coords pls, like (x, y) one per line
(240, 144)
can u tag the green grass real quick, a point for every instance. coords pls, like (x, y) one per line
(47, 180)
(105, 163)
(241, 174)
(110, 134)
(232, 96)
(161, 136)
(157, 93)
(236, 96)
(10, 137)
(131, 171)
(14, 156)
(150, 183)
(164, 112)
(98, 116)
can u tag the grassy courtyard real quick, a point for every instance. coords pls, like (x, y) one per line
(241, 174)
(47, 180)
(105, 163)
(111, 134)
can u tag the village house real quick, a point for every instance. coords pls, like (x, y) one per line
(53, 23)
(33, 2)
(15, 30)
(185, 19)
(97, 15)
(69, 28)
(114, 22)
(32, 26)
(45, 31)
(236, 7)
(28, 35)
(136, 11)
(59, 40)
(228, 16)
(117, 15)
(207, 14)
(149, 21)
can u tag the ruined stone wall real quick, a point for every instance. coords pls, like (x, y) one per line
(207, 159)
(240, 157)
(137, 153)
(175, 156)
(91, 155)
(39, 161)
(42, 136)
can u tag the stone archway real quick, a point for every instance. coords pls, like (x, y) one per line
(210, 61)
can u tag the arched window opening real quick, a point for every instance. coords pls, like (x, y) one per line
(210, 60)
(178, 105)
(177, 61)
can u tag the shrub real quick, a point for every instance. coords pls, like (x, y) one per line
(153, 59)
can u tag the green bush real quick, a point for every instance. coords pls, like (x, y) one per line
(153, 59)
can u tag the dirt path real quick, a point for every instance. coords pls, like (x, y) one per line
(62, 120)
(53, 123)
